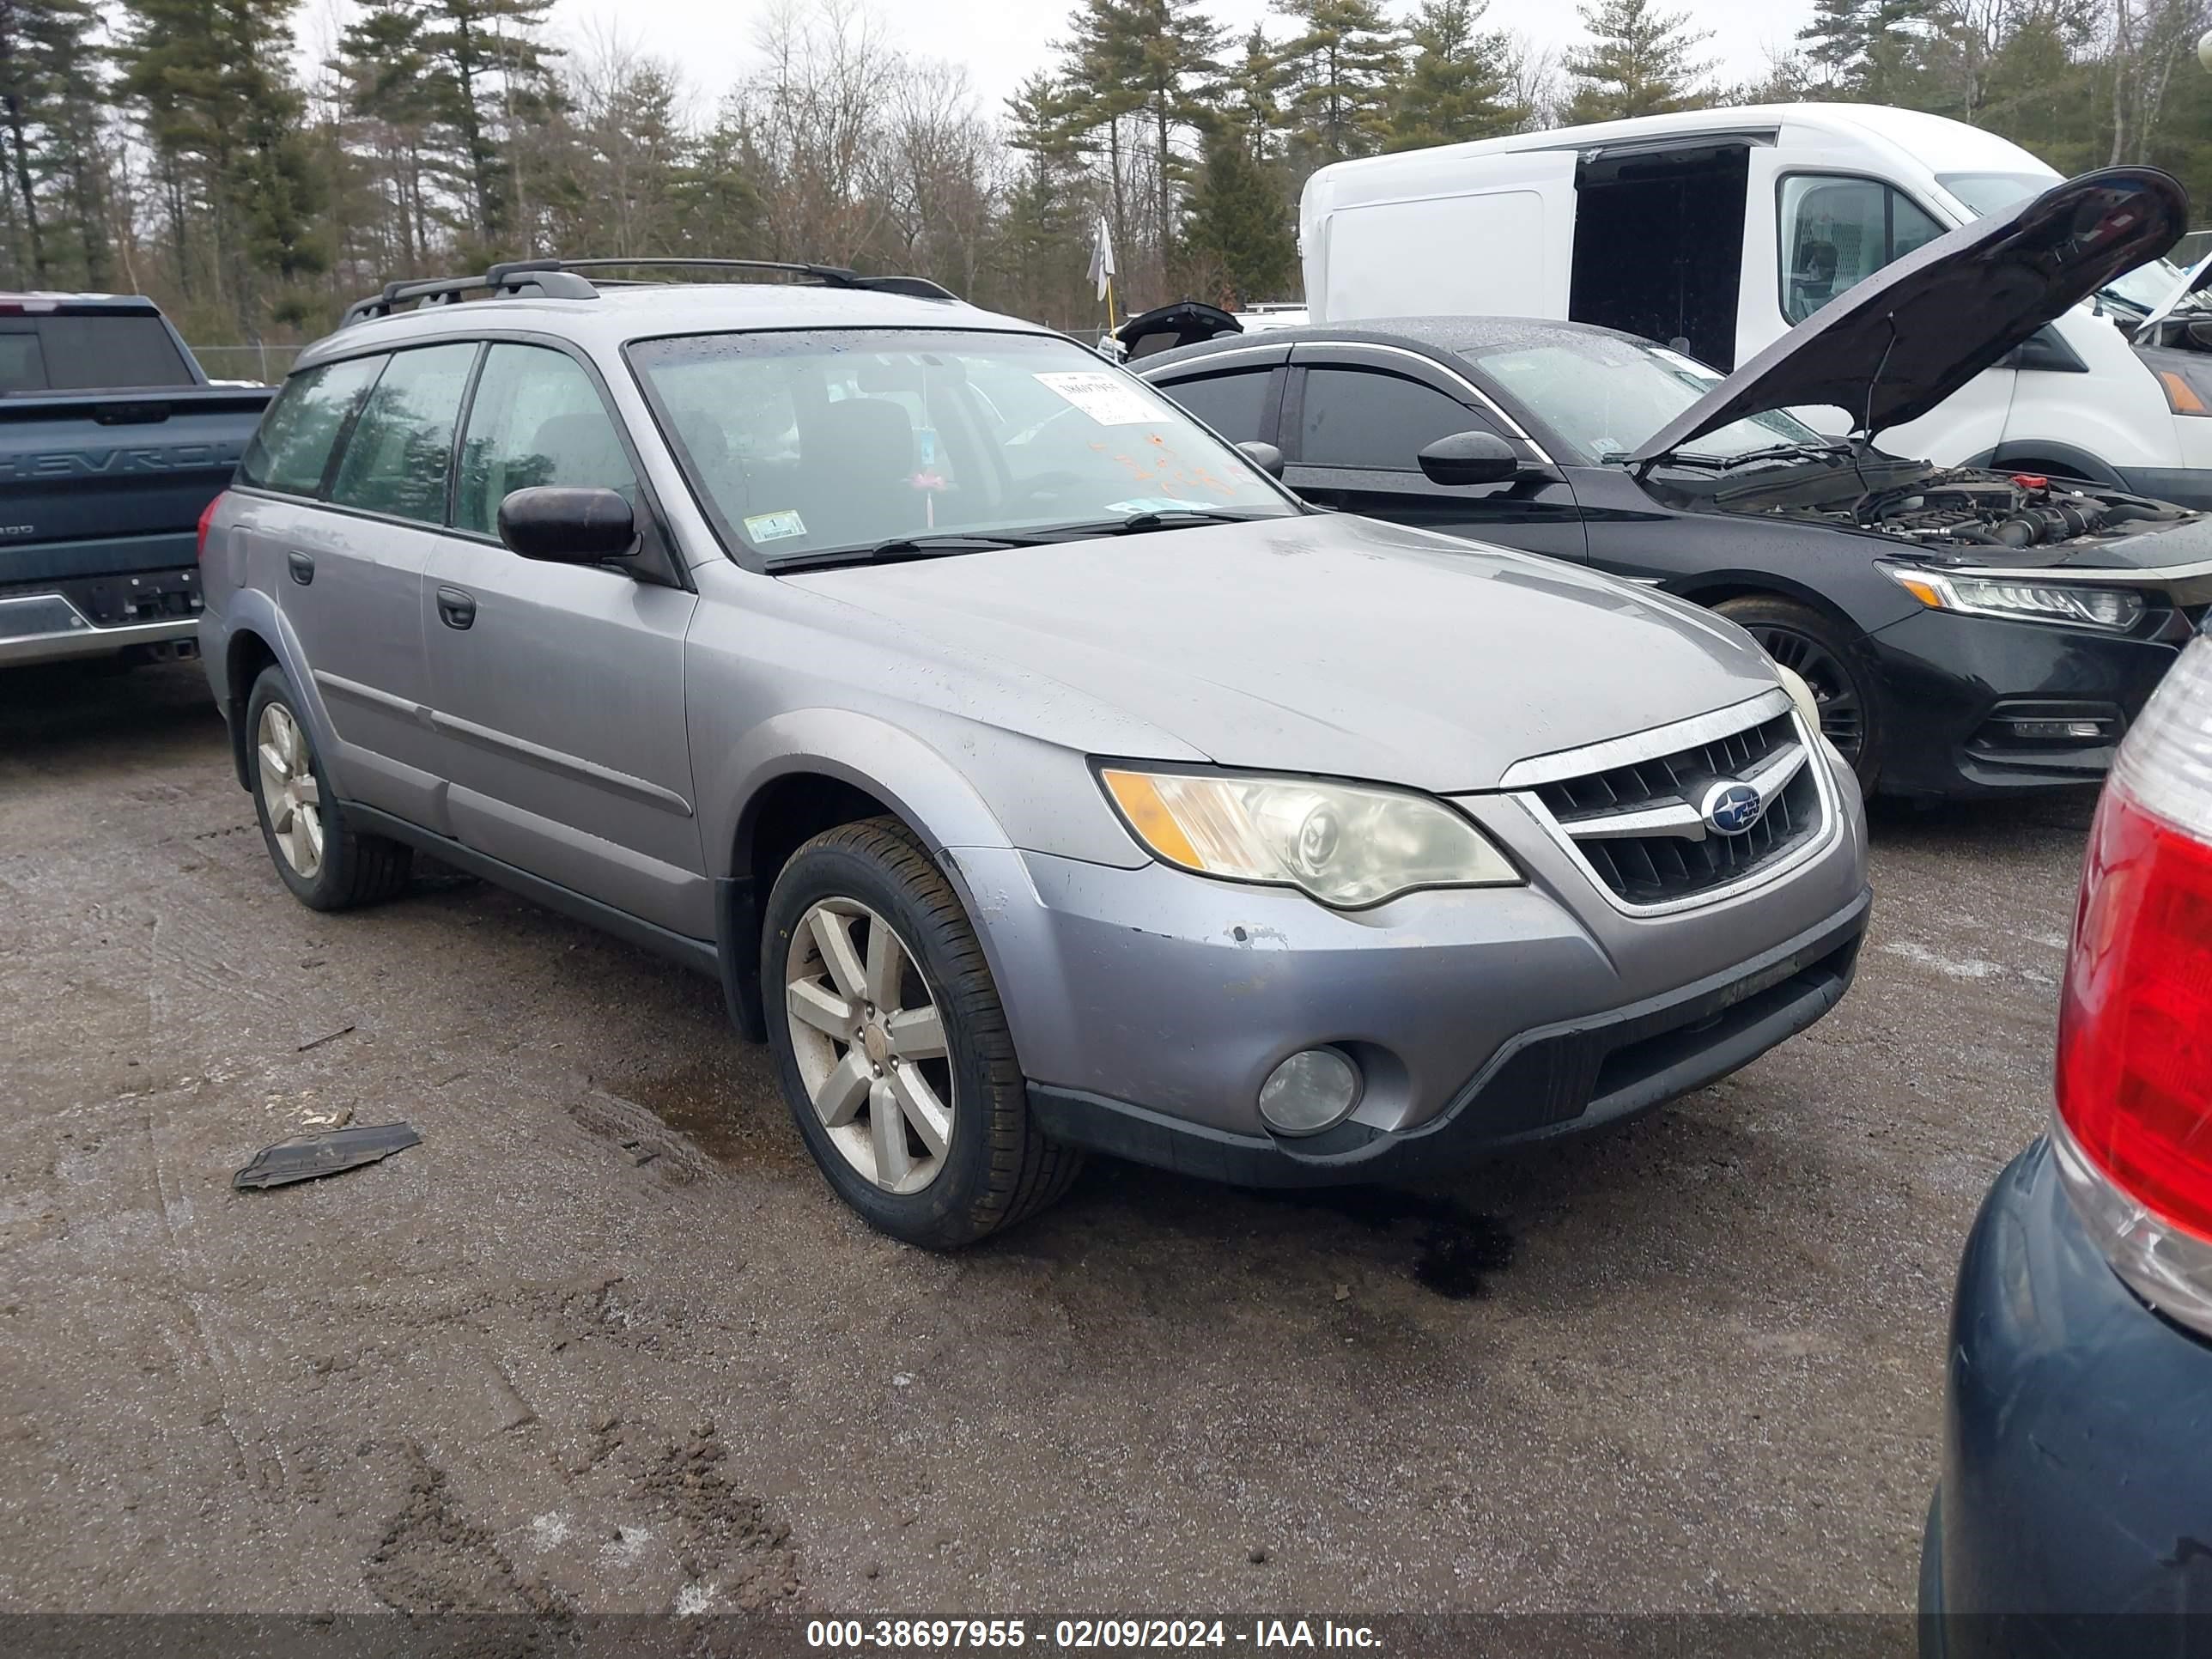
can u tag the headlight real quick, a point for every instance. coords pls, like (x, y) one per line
(1347, 845)
(1801, 695)
(2110, 608)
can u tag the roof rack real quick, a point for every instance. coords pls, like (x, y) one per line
(559, 279)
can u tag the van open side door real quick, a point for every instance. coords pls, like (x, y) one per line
(1494, 236)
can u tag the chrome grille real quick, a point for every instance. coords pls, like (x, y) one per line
(1638, 820)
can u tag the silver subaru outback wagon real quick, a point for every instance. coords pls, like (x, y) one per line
(1034, 774)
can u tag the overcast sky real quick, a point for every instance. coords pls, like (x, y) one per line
(1001, 41)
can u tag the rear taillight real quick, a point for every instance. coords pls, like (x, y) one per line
(207, 518)
(2134, 1019)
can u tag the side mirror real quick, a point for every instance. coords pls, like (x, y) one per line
(1470, 457)
(564, 525)
(1265, 457)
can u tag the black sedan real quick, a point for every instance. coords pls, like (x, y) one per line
(1966, 632)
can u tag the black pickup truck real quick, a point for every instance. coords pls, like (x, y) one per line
(112, 443)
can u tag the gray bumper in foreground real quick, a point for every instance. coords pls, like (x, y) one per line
(1552, 1081)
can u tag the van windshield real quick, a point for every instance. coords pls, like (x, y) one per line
(1604, 395)
(810, 443)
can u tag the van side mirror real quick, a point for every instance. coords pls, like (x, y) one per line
(1470, 457)
(1265, 457)
(564, 525)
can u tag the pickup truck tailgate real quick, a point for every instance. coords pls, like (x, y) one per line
(101, 483)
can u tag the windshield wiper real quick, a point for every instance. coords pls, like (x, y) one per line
(1137, 524)
(1839, 447)
(902, 550)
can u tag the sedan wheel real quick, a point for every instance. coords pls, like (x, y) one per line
(869, 1039)
(1843, 716)
(288, 792)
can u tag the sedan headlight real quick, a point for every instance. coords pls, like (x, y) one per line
(1347, 845)
(2113, 608)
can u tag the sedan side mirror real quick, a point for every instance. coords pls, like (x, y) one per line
(565, 525)
(1265, 457)
(1470, 457)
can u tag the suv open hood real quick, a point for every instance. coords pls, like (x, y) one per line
(1895, 347)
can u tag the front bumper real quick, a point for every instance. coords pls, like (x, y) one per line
(2072, 1516)
(1945, 676)
(1149, 1006)
(1566, 1079)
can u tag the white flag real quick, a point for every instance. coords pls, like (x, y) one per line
(1101, 258)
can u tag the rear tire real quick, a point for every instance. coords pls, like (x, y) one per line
(327, 864)
(1819, 650)
(891, 1045)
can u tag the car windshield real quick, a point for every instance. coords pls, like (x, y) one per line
(1605, 395)
(813, 442)
(2141, 290)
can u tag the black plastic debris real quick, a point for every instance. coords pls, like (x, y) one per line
(305, 1157)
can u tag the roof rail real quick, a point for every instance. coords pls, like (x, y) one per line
(560, 279)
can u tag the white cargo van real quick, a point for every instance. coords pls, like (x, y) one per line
(1717, 229)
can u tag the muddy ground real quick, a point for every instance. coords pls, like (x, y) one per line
(604, 1340)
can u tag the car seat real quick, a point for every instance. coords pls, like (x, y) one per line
(856, 466)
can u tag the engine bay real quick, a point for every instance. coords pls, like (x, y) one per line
(1961, 508)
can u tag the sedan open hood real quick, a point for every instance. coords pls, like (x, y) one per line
(1895, 347)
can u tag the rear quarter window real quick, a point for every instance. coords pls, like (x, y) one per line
(291, 449)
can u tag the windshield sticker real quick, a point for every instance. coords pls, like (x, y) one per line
(774, 526)
(1106, 398)
(1689, 365)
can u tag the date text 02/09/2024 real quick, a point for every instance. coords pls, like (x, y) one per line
(952, 1635)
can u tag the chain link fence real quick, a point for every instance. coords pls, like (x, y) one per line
(266, 364)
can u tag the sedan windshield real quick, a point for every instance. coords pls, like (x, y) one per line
(817, 442)
(1605, 395)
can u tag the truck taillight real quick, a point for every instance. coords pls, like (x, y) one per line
(207, 518)
(2135, 1020)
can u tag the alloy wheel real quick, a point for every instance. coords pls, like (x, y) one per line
(869, 1038)
(1842, 715)
(288, 792)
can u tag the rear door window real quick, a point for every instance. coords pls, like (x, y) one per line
(399, 454)
(1837, 231)
(1376, 420)
(291, 449)
(1235, 405)
(536, 418)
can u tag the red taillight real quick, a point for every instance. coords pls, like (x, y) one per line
(207, 518)
(2135, 1018)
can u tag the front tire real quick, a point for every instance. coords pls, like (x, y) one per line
(327, 864)
(892, 1047)
(1819, 651)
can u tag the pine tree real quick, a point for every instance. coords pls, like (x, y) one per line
(1457, 85)
(1044, 233)
(488, 73)
(55, 174)
(213, 83)
(1345, 61)
(1252, 95)
(1639, 61)
(1239, 225)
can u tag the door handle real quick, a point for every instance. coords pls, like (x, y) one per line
(302, 566)
(455, 608)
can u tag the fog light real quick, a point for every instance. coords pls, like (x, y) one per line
(2056, 731)
(1311, 1091)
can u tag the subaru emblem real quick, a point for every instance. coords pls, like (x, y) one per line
(1732, 808)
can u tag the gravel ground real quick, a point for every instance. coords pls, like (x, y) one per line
(605, 1341)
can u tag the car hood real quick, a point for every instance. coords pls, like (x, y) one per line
(1892, 348)
(1318, 643)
